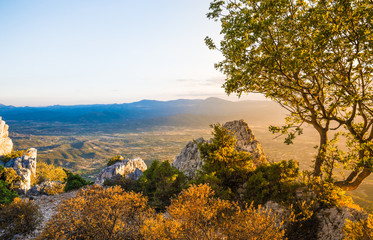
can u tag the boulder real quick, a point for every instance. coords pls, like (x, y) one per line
(189, 159)
(6, 144)
(130, 168)
(332, 221)
(44, 188)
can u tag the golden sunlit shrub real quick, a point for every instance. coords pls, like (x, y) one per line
(14, 154)
(55, 189)
(48, 172)
(19, 217)
(360, 230)
(99, 213)
(196, 214)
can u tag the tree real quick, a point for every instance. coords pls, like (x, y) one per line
(312, 57)
(224, 167)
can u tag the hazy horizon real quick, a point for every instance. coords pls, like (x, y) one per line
(95, 52)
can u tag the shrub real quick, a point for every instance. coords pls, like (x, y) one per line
(14, 154)
(274, 181)
(225, 168)
(48, 172)
(160, 182)
(114, 160)
(359, 230)
(99, 213)
(56, 188)
(19, 217)
(6, 195)
(196, 214)
(9, 176)
(74, 181)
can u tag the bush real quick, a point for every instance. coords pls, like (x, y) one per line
(14, 154)
(9, 176)
(274, 181)
(160, 182)
(19, 217)
(48, 172)
(114, 160)
(74, 181)
(6, 195)
(99, 213)
(225, 168)
(196, 214)
(360, 230)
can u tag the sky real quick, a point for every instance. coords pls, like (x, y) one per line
(107, 51)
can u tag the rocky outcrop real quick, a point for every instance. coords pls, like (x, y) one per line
(25, 167)
(332, 221)
(6, 144)
(246, 140)
(130, 168)
(189, 159)
(45, 188)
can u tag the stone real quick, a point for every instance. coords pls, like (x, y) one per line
(25, 167)
(332, 221)
(130, 168)
(189, 160)
(246, 140)
(43, 188)
(6, 144)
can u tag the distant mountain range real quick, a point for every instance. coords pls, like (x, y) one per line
(137, 115)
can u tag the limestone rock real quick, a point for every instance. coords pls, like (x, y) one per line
(6, 144)
(246, 140)
(130, 168)
(25, 167)
(332, 221)
(43, 188)
(189, 160)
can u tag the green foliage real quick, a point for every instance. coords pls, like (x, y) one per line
(6, 195)
(14, 154)
(225, 168)
(160, 182)
(127, 184)
(74, 181)
(114, 160)
(19, 217)
(274, 181)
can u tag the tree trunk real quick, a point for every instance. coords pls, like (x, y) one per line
(352, 185)
(321, 153)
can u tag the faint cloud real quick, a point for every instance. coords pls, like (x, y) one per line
(217, 81)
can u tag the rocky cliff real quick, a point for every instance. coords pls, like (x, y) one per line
(130, 168)
(6, 144)
(189, 159)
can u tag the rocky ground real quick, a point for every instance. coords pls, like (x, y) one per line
(48, 206)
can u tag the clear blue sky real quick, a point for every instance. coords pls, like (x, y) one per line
(107, 51)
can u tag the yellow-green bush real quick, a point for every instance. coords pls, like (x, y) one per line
(361, 230)
(19, 217)
(46, 172)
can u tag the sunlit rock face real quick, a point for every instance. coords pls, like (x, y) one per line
(6, 144)
(25, 167)
(189, 159)
(130, 168)
(246, 140)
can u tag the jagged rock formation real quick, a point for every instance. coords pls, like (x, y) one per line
(246, 140)
(130, 168)
(25, 167)
(189, 159)
(6, 144)
(332, 221)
